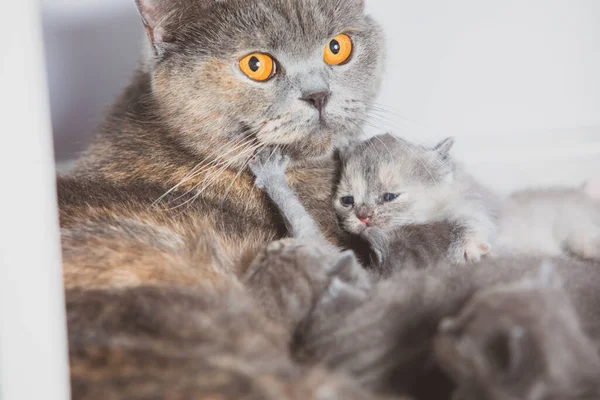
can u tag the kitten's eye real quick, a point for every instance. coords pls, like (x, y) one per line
(390, 197)
(339, 50)
(348, 201)
(258, 66)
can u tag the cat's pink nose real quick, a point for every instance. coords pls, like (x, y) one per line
(364, 216)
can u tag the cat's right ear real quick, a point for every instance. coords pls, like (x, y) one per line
(154, 17)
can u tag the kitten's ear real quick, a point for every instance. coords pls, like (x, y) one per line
(444, 147)
(344, 266)
(154, 16)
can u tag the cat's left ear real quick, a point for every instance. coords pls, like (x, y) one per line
(444, 147)
(154, 15)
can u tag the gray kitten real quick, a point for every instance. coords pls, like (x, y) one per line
(306, 272)
(520, 340)
(551, 222)
(404, 200)
(388, 342)
(388, 183)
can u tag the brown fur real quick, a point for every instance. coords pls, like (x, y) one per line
(115, 234)
(151, 343)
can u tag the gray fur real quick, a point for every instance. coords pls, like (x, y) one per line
(199, 43)
(269, 168)
(520, 340)
(430, 186)
(307, 270)
(551, 222)
(387, 343)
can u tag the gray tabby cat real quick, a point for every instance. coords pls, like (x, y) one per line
(389, 185)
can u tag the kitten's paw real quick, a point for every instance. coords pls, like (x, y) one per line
(268, 164)
(470, 252)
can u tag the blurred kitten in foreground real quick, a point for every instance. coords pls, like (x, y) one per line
(520, 340)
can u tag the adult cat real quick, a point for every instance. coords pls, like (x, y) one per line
(163, 196)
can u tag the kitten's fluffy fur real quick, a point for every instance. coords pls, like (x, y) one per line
(551, 222)
(517, 340)
(520, 340)
(395, 329)
(429, 186)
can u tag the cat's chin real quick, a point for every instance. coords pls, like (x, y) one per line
(315, 145)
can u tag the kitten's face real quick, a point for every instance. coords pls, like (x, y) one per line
(387, 182)
(214, 80)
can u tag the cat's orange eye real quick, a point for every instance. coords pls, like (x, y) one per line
(258, 66)
(338, 50)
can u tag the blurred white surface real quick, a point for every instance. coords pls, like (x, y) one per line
(33, 340)
(515, 81)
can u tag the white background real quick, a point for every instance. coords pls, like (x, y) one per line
(517, 82)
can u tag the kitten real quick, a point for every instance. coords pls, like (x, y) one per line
(387, 343)
(388, 184)
(311, 266)
(520, 340)
(174, 344)
(551, 222)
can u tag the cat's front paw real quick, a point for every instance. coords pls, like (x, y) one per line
(469, 251)
(268, 164)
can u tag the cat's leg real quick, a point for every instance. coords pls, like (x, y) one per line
(269, 167)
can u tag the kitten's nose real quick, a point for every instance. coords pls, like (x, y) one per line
(364, 215)
(317, 99)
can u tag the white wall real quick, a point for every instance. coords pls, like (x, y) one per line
(515, 81)
(33, 339)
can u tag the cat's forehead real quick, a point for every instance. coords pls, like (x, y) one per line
(225, 26)
(392, 163)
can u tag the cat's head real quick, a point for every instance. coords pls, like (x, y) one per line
(229, 75)
(519, 341)
(388, 182)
